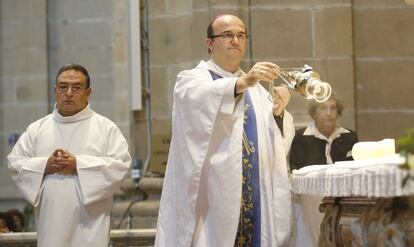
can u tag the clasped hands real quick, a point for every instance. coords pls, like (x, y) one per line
(267, 72)
(61, 162)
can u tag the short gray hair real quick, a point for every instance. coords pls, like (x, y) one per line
(339, 105)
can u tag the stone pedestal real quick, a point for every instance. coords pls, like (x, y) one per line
(365, 202)
(117, 238)
(363, 221)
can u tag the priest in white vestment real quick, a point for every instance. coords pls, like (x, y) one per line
(213, 194)
(68, 165)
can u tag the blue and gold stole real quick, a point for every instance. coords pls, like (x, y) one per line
(248, 232)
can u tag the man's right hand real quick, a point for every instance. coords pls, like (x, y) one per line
(261, 71)
(51, 166)
(60, 161)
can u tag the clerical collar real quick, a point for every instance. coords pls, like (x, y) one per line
(311, 130)
(82, 115)
(224, 73)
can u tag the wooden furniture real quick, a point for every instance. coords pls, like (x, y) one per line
(364, 203)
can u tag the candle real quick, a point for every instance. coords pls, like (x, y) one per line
(372, 150)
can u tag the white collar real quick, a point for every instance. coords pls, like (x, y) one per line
(84, 114)
(311, 130)
(211, 65)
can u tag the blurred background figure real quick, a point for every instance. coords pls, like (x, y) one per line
(18, 219)
(3, 223)
(6, 223)
(323, 141)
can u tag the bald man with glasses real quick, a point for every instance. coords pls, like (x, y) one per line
(226, 182)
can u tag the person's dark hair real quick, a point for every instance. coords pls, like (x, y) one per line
(77, 67)
(339, 105)
(9, 221)
(210, 29)
(14, 211)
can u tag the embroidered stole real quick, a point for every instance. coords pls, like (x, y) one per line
(248, 232)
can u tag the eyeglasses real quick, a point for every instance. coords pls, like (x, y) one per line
(229, 36)
(63, 88)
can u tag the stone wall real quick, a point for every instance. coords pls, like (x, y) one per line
(23, 76)
(94, 34)
(2, 136)
(362, 48)
(289, 33)
(384, 61)
(39, 36)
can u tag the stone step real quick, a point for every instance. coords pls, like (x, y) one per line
(137, 212)
(118, 238)
(152, 186)
(137, 222)
(138, 208)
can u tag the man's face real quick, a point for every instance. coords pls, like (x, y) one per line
(71, 92)
(326, 116)
(224, 49)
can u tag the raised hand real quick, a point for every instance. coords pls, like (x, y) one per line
(282, 99)
(261, 71)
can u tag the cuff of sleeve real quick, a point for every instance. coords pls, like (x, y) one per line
(229, 100)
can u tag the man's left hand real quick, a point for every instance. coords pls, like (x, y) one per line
(283, 97)
(66, 161)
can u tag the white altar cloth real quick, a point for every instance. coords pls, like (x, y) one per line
(370, 178)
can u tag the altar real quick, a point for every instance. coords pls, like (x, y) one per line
(364, 202)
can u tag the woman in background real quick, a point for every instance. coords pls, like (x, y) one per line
(323, 141)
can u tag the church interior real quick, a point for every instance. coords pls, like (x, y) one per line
(134, 50)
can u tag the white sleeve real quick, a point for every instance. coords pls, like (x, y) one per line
(99, 176)
(26, 169)
(288, 131)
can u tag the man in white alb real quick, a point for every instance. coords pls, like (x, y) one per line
(68, 164)
(226, 182)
